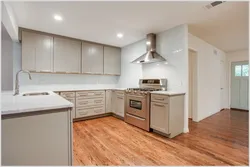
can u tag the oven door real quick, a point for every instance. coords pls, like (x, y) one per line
(137, 105)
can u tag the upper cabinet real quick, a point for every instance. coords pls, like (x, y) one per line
(92, 58)
(43, 52)
(112, 60)
(37, 52)
(67, 55)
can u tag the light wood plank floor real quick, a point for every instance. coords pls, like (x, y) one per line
(221, 139)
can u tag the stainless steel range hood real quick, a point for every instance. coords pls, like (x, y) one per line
(151, 55)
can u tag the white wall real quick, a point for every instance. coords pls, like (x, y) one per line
(209, 86)
(9, 21)
(6, 60)
(172, 45)
(131, 73)
(240, 55)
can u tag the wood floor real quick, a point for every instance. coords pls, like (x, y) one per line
(221, 139)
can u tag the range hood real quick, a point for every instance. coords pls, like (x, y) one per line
(151, 55)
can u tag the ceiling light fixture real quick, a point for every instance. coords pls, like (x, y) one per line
(58, 17)
(119, 35)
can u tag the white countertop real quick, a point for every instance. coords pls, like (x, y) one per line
(66, 87)
(21, 104)
(169, 93)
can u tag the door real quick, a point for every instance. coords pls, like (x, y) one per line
(120, 105)
(92, 58)
(112, 60)
(239, 85)
(67, 55)
(222, 83)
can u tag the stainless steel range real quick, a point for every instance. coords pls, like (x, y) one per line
(137, 110)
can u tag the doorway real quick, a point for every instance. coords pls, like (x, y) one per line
(192, 80)
(239, 85)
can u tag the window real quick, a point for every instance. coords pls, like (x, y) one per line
(237, 70)
(245, 70)
(241, 70)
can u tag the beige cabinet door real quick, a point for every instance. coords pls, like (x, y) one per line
(112, 60)
(67, 55)
(92, 58)
(113, 102)
(108, 101)
(159, 117)
(37, 52)
(120, 105)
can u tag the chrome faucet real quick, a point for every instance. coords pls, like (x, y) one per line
(17, 81)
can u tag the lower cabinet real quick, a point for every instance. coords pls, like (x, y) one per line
(167, 114)
(119, 103)
(89, 103)
(108, 102)
(159, 118)
(70, 96)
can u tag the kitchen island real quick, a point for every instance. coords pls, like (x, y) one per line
(36, 129)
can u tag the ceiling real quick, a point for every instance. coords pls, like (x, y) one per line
(225, 26)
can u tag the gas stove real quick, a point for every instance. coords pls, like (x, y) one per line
(141, 90)
(137, 110)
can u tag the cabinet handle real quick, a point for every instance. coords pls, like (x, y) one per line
(83, 113)
(98, 93)
(98, 111)
(158, 105)
(83, 103)
(120, 98)
(45, 71)
(62, 72)
(98, 101)
(159, 98)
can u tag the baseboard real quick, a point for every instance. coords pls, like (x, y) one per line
(92, 117)
(117, 116)
(98, 116)
(239, 109)
(185, 130)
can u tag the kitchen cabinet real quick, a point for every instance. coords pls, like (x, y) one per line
(167, 114)
(119, 103)
(67, 55)
(70, 96)
(112, 60)
(41, 138)
(159, 120)
(113, 101)
(90, 103)
(108, 101)
(37, 52)
(92, 58)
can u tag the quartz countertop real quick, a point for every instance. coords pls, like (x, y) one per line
(22, 104)
(66, 87)
(169, 93)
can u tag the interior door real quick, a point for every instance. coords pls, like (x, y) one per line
(222, 83)
(239, 85)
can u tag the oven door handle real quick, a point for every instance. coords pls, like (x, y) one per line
(135, 117)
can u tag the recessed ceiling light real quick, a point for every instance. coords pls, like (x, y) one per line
(58, 17)
(119, 35)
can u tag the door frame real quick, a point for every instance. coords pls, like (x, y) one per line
(195, 91)
(230, 77)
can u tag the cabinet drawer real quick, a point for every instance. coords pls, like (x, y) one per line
(86, 102)
(159, 98)
(68, 94)
(90, 94)
(84, 112)
(119, 93)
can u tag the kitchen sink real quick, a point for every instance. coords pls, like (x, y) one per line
(36, 94)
